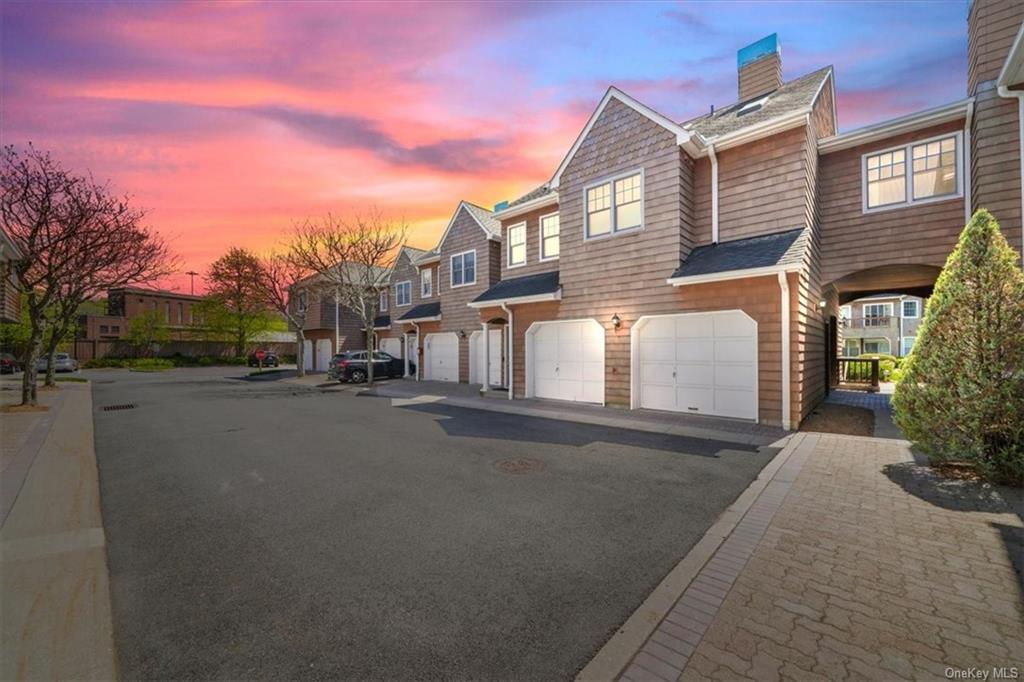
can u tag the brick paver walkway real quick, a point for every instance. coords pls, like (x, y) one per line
(864, 566)
(879, 403)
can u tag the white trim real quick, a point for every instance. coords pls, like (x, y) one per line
(1006, 93)
(714, 193)
(451, 270)
(903, 339)
(683, 136)
(917, 309)
(509, 265)
(427, 259)
(500, 302)
(416, 320)
(428, 280)
(967, 162)
(1014, 60)
(634, 355)
(786, 375)
(528, 353)
(385, 299)
(462, 205)
(519, 209)
(398, 285)
(613, 218)
(864, 309)
(896, 126)
(508, 348)
(772, 126)
(908, 170)
(540, 237)
(733, 274)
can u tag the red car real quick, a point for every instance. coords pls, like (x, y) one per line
(9, 364)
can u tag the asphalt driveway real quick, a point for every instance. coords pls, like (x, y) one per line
(268, 530)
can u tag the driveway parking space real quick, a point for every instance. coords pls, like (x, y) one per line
(266, 529)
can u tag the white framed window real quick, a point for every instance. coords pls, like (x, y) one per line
(383, 300)
(549, 230)
(463, 271)
(876, 314)
(917, 172)
(426, 283)
(851, 348)
(614, 205)
(911, 309)
(906, 345)
(877, 346)
(516, 245)
(403, 293)
(845, 312)
(303, 303)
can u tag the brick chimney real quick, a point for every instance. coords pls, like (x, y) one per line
(760, 68)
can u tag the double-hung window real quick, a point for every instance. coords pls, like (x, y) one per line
(910, 309)
(913, 173)
(463, 269)
(426, 283)
(615, 205)
(517, 245)
(877, 314)
(403, 293)
(549, 244)
(384, 300)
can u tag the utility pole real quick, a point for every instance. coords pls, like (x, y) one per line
(192, 277)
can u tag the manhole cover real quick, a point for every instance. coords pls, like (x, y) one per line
(114, 408)
(519, 465)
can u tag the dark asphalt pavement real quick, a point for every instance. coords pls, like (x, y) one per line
(265, 530)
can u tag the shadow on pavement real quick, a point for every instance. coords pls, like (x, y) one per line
(470, 423)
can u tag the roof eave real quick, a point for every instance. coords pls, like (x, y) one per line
(1013, 68)
(412, 320)
(517, 300)
(897, 126)
(527, 206)
(773, 126)
(733, 274)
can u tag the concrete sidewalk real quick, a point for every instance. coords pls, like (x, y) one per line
(56, 616)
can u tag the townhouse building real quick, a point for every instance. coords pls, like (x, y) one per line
(882, 323)
(699, 266)
(10, 287)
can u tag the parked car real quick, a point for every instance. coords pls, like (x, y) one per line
(61, 363)
(269, 359)
(351, 366)
(9, 364)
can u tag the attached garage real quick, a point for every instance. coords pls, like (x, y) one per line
(697, 363)
(323, 354)
(565, 361)
(477, 361)
(441, 357)
(307, 355)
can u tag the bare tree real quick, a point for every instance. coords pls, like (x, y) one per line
(73, 235)
(352, 258)
(115, 249)
(281, 276)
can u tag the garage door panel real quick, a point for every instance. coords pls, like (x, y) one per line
(442, 357)
(566, 361)
(695, 399)
(695, 350)
(734, 350)
(658, 350)
(657, 373)
(694, 326)
(695, 375)
(658, 396)
(730, 403)
(735, 324)
(734, 376)
(660, 328)
(593, 392)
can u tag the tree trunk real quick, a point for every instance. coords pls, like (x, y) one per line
(300, 355)
(369, 354)
(240, 344)
(28, 379)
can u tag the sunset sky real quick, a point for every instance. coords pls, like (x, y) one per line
(229, 121)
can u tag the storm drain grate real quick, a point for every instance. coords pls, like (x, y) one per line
(519, 465)
(114, 408)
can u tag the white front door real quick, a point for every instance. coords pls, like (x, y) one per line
(441, 357)
(476, 358)
(323, 354)
(565, 361)
(392, 347)
(698, 363)
(307, 355)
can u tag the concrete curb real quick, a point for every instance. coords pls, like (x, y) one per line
(613, 658)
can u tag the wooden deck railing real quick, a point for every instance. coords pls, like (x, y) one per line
(859, 372)
(881, 321)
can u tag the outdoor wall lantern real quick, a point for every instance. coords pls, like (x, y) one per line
(616, 321)
(462, 333)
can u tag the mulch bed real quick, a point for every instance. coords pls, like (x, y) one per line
(843, 419)
(15, 409)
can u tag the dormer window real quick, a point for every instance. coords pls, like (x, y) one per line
(918, 172)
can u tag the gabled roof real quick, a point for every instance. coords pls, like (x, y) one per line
(481, 216)
(682, 135)
(540, 287)
(428, 257)
(791, 99)
(771, 252)
(382, 322)
(411, 252)
(535, 193)
(422, 312)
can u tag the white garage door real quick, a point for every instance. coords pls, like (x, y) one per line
(565, 361)
(323, 354)
(392, 347)
(476, 357)
(442, 357)
(307, 355)
(700, 363)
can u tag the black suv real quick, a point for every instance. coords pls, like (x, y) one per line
(351, 366)
(269, 359)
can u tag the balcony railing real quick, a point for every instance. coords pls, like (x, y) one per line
(874, 322)
(859, 373)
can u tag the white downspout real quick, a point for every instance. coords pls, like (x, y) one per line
(405, 353)
(784, 287)
(968, 206)
(485, 330)
(508, 311)
(337, 321)
(1019, 96)
(419, 363)
(714, 193)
